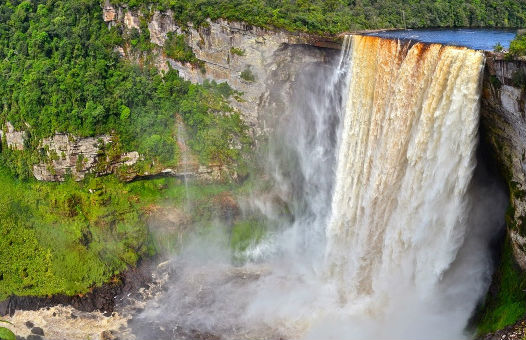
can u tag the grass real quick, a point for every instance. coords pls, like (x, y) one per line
(247, 75)
(65, 238)
(237, 51)
(508, 305)
(246, 233)
(68, 237)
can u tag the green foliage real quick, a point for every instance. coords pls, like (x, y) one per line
(6, 334)
(518, 79)
(218, 135)
(67, 237)
(176, 48)
(508, 305)
(247, 75)
(518, 45)
(335, 16)
(245, 233)
(59, 73)
(498, 47)
(237, 51)
(56, 60)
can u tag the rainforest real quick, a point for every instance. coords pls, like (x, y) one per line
(260, 169)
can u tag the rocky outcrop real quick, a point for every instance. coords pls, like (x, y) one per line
(66, 155)
(69, 155)
(261, 64)
(503, 120)
(14, 139)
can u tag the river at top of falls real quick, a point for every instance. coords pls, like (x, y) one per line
(390, 233)
(474, 38)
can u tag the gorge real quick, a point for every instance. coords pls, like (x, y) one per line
(401, 252)
(377, 211)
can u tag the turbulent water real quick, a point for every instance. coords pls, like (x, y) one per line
(406, 158)
(389, 231)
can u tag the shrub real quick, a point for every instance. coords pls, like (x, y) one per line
(247, 75)
(237, 51)
(518, 45)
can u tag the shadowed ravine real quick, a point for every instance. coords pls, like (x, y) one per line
(390, 233)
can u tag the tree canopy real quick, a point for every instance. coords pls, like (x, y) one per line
(335, 16)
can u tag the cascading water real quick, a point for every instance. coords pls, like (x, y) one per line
(375, 159)
(405, 162)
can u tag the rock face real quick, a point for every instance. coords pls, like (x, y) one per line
(13, 138)
(66, 154)
(503, 121)
(260, 63)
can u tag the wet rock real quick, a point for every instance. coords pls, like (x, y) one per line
(503, 122)
(107, 335)
(4, 307)
(37, 331)
(29, 324)
(34, 337)
(99, 298)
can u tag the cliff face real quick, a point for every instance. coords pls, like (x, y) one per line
(261, 64)
(503, 122)
(274, 59)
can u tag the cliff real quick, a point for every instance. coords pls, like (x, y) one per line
(503, 122)
(275, 58)
(260, 63)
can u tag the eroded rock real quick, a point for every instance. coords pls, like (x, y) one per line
(273, 57)
(503, 119)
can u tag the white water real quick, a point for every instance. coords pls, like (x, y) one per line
(406, 159)
(388, 239)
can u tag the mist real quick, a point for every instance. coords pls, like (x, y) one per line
(380, 214)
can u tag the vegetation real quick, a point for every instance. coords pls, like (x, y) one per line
(176, 48)
(246, 232)
(64, 238)
(498, 47)
(507, 303)
(60, 74)
(247, 75)
(237, 51)
(67, 237)
(6, 334)
(518, 45)
(335, 16)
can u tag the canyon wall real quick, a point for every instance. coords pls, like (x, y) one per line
(503, 125)
(271, 58)
(275, 58)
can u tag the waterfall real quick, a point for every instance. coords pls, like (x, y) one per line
(406, 158)
(375, 158)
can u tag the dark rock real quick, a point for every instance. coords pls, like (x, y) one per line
(107, 335)
(29, 324)
(34, 337)
(37, 331)
(73, 316)
(99, 298)
(4, 306)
